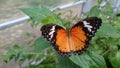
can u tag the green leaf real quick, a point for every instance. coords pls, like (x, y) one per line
(98, 60)
(108, 10)
(115, 60)
(107, 30)
(16, 52)
(36, 14)
(82, 60)
(40, 44)
(42, 15)
(99, 1)
(91, 60)
(94, 11)
(65, 62)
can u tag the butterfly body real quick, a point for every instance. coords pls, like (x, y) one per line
(74, 40)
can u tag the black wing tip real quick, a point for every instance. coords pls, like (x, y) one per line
(99, 20)
(46, 26)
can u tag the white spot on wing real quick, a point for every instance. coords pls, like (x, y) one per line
(52, 30)
(86, 24)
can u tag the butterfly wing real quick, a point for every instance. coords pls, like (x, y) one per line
(82, 32)
(58, 37)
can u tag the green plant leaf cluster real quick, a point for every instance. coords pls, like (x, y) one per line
(18, 53)
(115, 60)
(41, 15)
(91, 60)
(40, 44)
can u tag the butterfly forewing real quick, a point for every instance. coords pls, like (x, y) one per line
(82, 32)
(57, 36)
(89, 26)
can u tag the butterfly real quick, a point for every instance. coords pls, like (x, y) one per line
(72, 41)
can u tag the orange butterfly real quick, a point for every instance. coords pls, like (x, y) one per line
(74, 40)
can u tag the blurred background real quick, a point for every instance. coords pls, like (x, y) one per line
(21, 32)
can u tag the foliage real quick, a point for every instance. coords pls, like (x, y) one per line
(115, 60)
(104, 50)
(89, 60)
